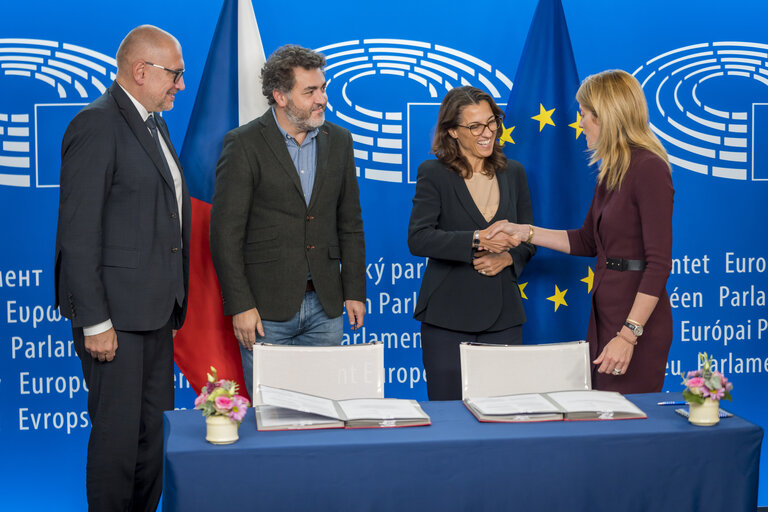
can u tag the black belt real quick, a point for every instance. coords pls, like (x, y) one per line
(621, 264)
(310, 286)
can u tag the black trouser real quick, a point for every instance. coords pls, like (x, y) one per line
(126, 400)
(440, 355)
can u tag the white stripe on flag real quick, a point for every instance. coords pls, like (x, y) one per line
(250, 59)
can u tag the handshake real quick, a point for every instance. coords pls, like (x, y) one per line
(503, 235)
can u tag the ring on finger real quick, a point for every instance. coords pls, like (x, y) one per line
(617, 371)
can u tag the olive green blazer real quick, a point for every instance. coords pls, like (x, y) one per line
(265, 239)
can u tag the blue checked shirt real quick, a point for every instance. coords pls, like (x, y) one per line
(304, 158)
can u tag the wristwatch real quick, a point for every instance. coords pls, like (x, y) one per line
(476, 239)
(636, 329)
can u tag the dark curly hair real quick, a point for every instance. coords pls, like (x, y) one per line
(277, 73)
(447, 149)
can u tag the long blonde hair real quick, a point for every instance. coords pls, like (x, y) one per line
(616, 99)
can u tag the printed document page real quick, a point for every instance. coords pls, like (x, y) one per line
(514, 404)
(273, 417)
(596, 401)
(298, 401)
(379, 408)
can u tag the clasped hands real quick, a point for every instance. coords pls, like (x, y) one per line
(493, 256)
(502, 235)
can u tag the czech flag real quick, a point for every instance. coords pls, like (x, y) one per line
(229, 96)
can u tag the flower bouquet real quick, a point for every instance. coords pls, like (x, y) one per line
(222, 407)
(704, 388)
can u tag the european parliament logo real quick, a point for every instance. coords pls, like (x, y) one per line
(709, 106)
(387, 92)
(43, 84)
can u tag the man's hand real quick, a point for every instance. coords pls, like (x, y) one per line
(246, 325)
(355, 313)
(102, 346)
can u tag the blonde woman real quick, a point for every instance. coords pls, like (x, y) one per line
(629, 229)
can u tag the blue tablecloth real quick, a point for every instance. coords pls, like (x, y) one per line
(660, 463)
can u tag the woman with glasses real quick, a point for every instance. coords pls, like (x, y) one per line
(629, 229)
(467, 294)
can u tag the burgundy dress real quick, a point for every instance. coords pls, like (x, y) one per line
(632, 222)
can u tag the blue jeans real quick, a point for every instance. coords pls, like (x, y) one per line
(310, 326)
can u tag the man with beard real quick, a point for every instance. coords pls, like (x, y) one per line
(286, 230)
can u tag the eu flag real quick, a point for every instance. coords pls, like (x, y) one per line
(229, 96)
(541, 131)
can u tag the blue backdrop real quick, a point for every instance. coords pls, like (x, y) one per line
(703, 65)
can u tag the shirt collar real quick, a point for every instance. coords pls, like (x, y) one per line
(143, 112)
(310, 134)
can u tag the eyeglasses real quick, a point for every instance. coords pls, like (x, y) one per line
(175, 72)
(477, 129)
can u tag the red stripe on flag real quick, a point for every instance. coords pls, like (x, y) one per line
(206, 339)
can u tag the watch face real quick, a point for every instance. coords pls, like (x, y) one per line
(637, 330)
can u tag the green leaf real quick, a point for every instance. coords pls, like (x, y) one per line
(691, 398)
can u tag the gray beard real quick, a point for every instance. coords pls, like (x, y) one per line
(303, 124)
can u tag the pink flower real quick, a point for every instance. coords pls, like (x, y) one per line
(223, 403)
(714, 394)
(694, 373)
(201, 398)
(694, 382)
(239, 408)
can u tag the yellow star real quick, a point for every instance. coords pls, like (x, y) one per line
(576, 126)
(522, 289)
(506, 136)
(589, 279)
(544, 117)
(558, 298)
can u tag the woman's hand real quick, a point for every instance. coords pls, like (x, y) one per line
(490, 264)
(519, 231)
(615, 357)
(496, 240)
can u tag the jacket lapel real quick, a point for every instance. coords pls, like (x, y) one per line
(140, 131)
(276, 145)
(465, 199)
(323, 142)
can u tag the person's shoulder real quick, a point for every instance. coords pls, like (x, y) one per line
(333, 130)
(96, 117)
(647, 167)
(257, 124)
(513, 167)
(644, 158)
(433, 167)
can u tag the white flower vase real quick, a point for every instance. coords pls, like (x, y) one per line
(706, 414)
(220, 430)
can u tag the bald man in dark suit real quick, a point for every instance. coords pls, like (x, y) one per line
(122, 266)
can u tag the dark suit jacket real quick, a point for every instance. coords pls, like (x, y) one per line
(120, 252)
(264, 237)
(453, 294)
(633, 222)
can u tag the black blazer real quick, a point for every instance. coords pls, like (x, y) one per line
(453, 294)
(120, 252)
(265, 239)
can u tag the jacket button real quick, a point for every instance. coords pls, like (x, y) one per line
(174, 215)
(310, 217)
(175, 249)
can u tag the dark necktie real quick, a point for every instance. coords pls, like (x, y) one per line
(152, 125)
